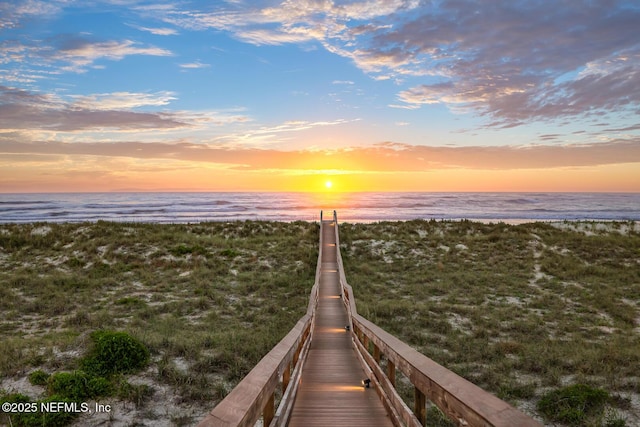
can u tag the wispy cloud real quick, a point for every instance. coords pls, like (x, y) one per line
(270, 135)
(159, 31)
(121, 100)
(194, 65)
(12, 13)
(81, 53)
(288, 22)
(67, 53)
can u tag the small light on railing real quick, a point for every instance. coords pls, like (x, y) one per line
(347, 328)
(366, 383)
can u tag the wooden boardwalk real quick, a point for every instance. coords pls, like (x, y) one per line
(330, 393)
(319, 370)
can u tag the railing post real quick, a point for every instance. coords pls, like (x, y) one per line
(391, 372)
(286, 377)
(296, 355)
(376, 354)
(269, 410)
(420, 406)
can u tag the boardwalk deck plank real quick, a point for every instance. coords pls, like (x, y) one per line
(330, 392)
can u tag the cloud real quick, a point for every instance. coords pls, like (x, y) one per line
(625, 129)
(12, 13)
(289, 22)
(81, 53)
(159, 31)
(29, 60)
(194, 65)
(512, 62)
(121, 100)
(386, 157)
(519, 62)
(23, 110)
(272, 134)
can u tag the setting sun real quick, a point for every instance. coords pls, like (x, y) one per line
(328, 184)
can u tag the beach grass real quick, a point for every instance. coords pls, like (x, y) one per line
(520, 310)
(207, 300)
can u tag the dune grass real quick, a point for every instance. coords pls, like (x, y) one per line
(521, 310)
(517, 309)
(207, 300)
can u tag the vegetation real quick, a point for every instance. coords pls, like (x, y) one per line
(78, 386)
(37, 418)
(523, 311)
(122, 312)
(574, 405)
(516, 309)
(115, 353)
(38, 377)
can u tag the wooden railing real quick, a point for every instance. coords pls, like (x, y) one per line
(254, 396)
(460, 400)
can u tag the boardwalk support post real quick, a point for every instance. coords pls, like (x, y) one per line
(269, 410)
(391, 372)
(376, 353)
(286, 376)
(420, 406)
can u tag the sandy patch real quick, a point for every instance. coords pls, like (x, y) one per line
(41, 231)
(599, 227)
(21, 385)
(459, 323)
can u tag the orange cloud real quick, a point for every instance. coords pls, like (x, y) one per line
(386, 157)
(55, 166)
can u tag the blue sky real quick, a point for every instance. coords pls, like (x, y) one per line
(266, 95)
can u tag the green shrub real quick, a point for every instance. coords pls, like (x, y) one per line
(574, 404)
(37, 418)
(38, 377)
(78, 385)
(115, 353)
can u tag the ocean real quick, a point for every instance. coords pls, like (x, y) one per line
(351, 207)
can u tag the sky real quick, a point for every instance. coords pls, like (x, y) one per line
(394, 95)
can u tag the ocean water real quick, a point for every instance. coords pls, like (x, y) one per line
(351, 207)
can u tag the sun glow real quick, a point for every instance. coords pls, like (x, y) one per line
(328, 185)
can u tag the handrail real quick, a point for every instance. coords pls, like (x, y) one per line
(254, 396)
(459, 399)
